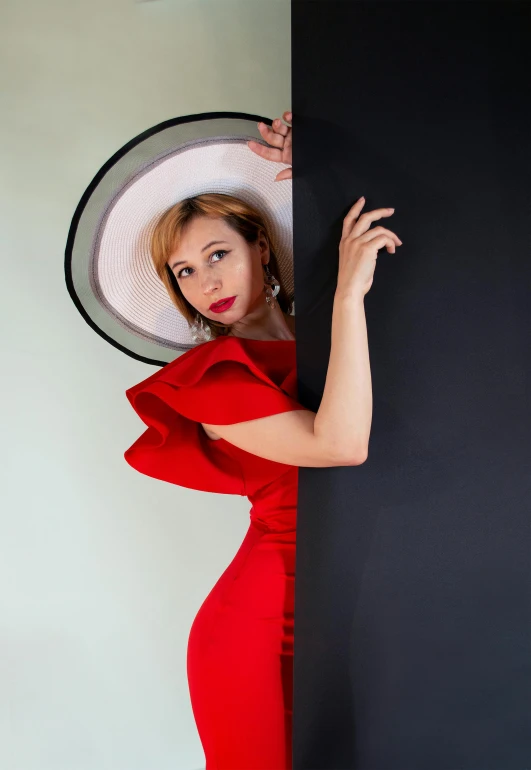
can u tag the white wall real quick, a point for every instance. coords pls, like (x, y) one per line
(102, 570)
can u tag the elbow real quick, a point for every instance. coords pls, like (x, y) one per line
(348, 455)
(359, 457)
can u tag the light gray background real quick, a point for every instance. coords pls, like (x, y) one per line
(102, 570)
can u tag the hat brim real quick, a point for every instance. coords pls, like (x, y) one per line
(108, 270)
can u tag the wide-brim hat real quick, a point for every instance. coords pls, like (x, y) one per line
(108, 268)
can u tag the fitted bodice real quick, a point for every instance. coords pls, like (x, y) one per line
(224, 381)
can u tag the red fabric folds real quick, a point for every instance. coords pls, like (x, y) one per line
(225, 381)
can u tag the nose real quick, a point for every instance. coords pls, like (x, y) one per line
(212, 290)
(210, 283)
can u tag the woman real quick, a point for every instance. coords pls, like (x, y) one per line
(224, 417)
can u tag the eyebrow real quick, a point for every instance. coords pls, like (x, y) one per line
(182, 262)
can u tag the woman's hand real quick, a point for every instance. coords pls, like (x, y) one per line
(279, 135)
(359, 247)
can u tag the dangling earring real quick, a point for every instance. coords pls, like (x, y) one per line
(200, 331)
(271, 287)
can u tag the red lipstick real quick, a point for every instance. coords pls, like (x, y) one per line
(222, 305)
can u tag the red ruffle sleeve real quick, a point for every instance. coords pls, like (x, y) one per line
(219, 382)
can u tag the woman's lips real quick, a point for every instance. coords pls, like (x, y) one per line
(223, 306)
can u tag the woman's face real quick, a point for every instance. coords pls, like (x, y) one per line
(214, 262)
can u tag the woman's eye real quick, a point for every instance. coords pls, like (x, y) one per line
(180, 273)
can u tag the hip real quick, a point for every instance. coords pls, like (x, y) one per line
(254, 596)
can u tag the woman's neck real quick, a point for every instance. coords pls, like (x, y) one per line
(286, 331)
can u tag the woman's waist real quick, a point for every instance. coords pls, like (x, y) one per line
(274, 520)
(274, 507)
(260, 578)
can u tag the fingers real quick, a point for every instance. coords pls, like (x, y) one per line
(377, 232)
(355, 224)
(286, 173)
(383, 240)
(365, 220)
(269, 153)
(279, 137)
(351, 217)
(288, 145)
(275, 134)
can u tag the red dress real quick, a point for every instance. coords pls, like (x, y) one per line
(240, 648)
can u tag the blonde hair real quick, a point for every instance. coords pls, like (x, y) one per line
(239, 215)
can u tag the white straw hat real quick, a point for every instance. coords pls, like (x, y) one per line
(108, 268)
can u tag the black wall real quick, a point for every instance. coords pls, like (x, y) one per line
(413, 589)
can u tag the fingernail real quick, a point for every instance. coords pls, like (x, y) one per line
(390, 209)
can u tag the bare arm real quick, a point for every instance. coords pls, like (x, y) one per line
(339, 433)
(287, 437)
(345, 414)
(344, 417)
